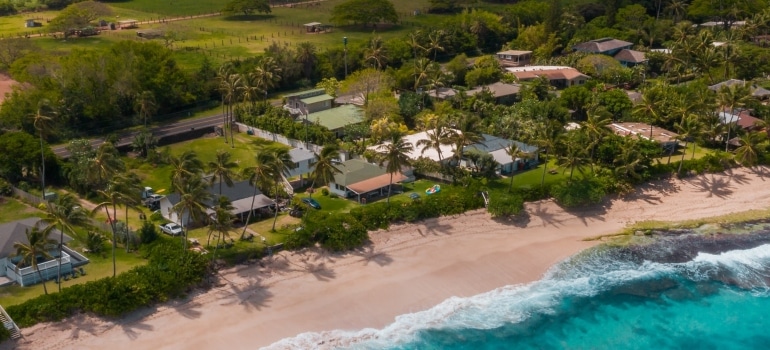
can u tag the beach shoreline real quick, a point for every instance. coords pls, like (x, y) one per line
(407, 268)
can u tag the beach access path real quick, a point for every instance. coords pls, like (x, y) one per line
(407, 268)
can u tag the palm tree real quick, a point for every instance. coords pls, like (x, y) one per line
(112, 195)
(222, 168)
(649, 108)
(38, 245)
(422, 70)
(279, 164)
(748, 153)
(514, 152)
(546, 140)
(574, 153)
(466, 134)
(677, 9)
(259, 176)
(306, 57)
(130, 185)
(184, 167)
(42, 121)
(222, 76)
(395, 155)
(595, 128)
(324, 168)
(193, 194)
(145, 105)
(688, 129)
(221, 220)
(248, 90)
(267, 74)
(435, 39)
(376, 53)
(62, 215)
(440, 135)
(229, 85)
(629, 161)
(732, 97)
(104, 164)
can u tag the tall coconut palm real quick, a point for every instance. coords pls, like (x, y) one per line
(229, 85)
(595, 128)
(185, 166)
(191, 208)
(628, 161)
(279, 165)
(649, 109)
(574, 155)
(439, 136)
(466, 135)
(259, 176)
(130, 185)
(547, 138)
(62, 215)
(376, 53)
(422, 71)
(42, 120)
(221, 220)
(266, 73)
(305, 55)
(514, 152)
(730, 98)
(395, 156)
(748, 152)
(146, 105)
(435, 42)
(249, 91)
(105, 164)
(222, 169)
(689, 130)
(324, 168)
(677, 9)
(223, 75)
(112, 196)
(38, 245)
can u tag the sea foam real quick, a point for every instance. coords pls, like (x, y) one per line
(516, 303)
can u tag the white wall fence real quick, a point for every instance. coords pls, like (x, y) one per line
(243, 128)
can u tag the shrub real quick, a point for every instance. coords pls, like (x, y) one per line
(5, 188)
(325, 191)
(333, 195)
(148, 233)
(577, 193)
(5, 334)
(23, 185)
(95, 242)
(156, 216)
(169, 273)
(504, 205)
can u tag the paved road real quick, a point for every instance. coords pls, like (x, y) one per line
(161, 131)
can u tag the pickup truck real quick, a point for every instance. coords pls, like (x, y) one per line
(171, 229)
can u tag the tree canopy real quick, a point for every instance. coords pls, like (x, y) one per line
(364, 12)
(79, 15)
(248, 7)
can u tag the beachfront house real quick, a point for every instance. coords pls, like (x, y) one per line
(16, 231)
(502, 93)
(363, 181)
(603, 46)
(669, 140)
(559, 76)
(741, 117)
(308, 101)
(241, 194)
(303, 163)
(498, 148)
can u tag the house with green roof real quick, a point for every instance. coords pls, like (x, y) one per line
(335, 119)
(362, 180)
(308, 101)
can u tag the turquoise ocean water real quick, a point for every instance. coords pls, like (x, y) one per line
(683, 291)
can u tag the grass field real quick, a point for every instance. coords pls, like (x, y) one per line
(12, 210)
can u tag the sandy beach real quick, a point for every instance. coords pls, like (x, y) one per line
(407, 268)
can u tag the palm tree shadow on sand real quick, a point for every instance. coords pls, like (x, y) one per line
(368, 254)
(252, 295)
(713, 186)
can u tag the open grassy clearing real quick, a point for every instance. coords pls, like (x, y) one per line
(12, 209)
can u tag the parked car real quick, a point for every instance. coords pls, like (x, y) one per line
(171, 229)
(311, 202)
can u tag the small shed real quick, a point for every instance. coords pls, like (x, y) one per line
(317, 27)
(30, 23)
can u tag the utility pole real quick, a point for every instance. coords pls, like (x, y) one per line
(345, 43)
(306, 144)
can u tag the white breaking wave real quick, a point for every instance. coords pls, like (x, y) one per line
(513, 304)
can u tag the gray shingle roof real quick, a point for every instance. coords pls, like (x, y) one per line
(16, 231)
(602, 45)
(240, 190)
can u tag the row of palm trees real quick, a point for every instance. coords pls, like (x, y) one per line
(245, 88)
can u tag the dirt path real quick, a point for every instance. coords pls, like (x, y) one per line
(6, 86)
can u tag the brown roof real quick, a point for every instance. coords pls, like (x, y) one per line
(375, 183)
(745, 120)
(602, 45)
(632, 56)
(497, 89)
(551, 74)
(514, 52)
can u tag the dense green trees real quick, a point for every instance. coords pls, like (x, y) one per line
(364, 12)
(248, 7)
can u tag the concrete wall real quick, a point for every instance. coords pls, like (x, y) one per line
(243, 128)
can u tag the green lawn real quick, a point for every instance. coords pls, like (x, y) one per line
(99, 267)
(12, 209)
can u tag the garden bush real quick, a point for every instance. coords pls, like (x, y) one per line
(5, 188)
(572, 194)
(169, 273)
(325, 191)
(148, 233)
(504, 205)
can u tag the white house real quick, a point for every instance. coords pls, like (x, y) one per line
(16, 231)
(303, 162)
(447, 151)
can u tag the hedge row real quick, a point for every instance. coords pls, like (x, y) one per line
(169, 273)
(342, 231)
